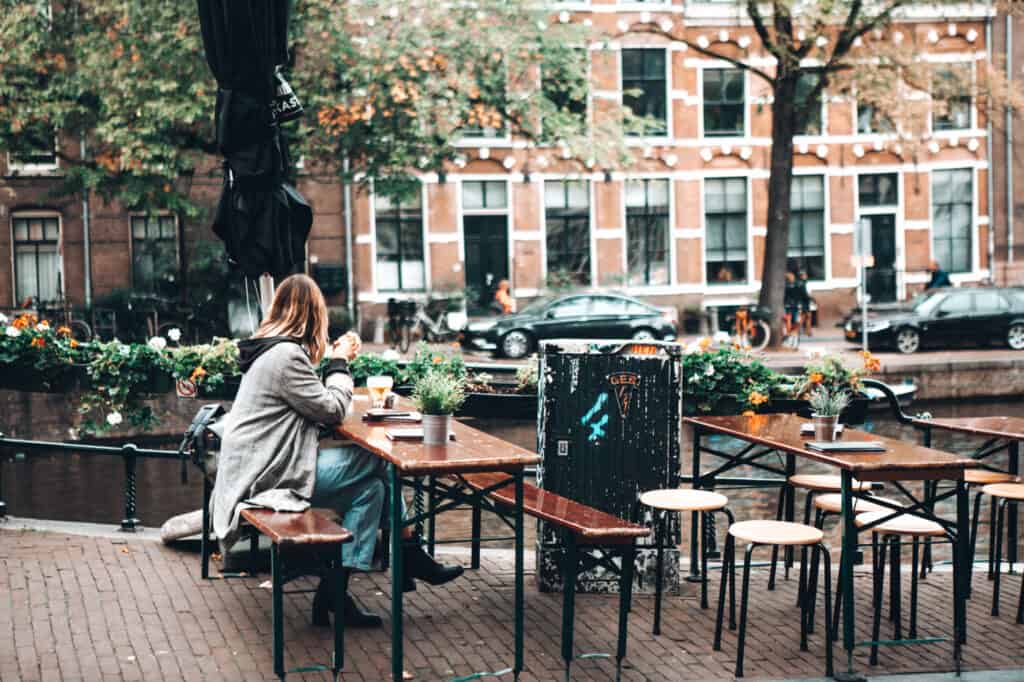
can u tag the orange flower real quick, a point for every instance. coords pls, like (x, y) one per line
(755, 398)
(437, 359)
(73, 343)
(747, 413)
(24, 321)
(816, 378)
(64, 331)
(39, 342)
(705, 343)
(197, 373)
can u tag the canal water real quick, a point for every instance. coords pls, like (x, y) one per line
(90, 488)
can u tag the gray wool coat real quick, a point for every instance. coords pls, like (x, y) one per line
(269, 444)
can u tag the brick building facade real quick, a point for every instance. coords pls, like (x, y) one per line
(684, 225)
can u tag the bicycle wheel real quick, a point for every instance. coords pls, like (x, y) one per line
(80, 331)
(759, 336)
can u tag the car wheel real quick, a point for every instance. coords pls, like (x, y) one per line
(908, 340)
(516, 344)
(1015, 337)
(644, 335)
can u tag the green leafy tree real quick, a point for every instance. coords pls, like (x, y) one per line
(848, 48)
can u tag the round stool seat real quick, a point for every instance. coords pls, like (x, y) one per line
(987, 476)
(776, 533)
(1009, 491)
(683, 499)
(904, 524)
(829, 483)
(833, 502)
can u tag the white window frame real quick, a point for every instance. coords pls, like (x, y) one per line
(462, 212)
(591, 246)
(715, 139)
(649, 289)
(372, 210)
(668, 136)
(62, 285)
(752, 277)
(973, 272)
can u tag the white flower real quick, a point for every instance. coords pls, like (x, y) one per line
(709, 371)
(13, 332)
(157, 343)
(42, 326)
(174, 335)
(125, 350)
(114, 418)
(391, 355)
(721, 337)
(693, 349)
(3, 319)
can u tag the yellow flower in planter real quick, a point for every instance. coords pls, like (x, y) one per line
(64, 331)
(816, 378)
(755, 398)
(197, 373)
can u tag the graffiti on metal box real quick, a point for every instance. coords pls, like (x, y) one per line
(596, 419)
(624, 384)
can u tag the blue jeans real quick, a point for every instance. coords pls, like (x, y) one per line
(356, 484)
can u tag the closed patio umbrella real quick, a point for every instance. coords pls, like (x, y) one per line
(263, 221)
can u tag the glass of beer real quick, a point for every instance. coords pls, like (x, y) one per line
(379, 387)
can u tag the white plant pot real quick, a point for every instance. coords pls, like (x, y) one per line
(825, 427)
(436, 428)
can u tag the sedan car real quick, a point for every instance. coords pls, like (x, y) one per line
(947, 317)
(575, 316)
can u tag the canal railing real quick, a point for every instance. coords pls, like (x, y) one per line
(128, 452)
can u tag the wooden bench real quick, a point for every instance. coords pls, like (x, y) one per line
(584, 528)
(293, 532)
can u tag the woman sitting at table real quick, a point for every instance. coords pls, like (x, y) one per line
(269, 455)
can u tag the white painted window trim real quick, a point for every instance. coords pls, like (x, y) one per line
(462, 212)
(372, 240)
(672, 279)
(826, 217)
(36, 213)
(896, 210)
(736, 139)
(17, 168)
(752, 280)
(131, 238)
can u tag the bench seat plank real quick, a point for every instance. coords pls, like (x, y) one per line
(585, 521)
(296, 528)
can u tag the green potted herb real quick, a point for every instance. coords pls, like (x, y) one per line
(826, 406)
(438, 395)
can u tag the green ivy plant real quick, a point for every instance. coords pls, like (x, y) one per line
(208, 365)
(723, 378)
(120, 375)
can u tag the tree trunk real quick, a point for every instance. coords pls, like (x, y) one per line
(776, 243)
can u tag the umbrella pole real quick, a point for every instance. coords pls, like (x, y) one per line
(266, 294)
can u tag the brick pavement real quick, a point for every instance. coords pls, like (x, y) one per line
(95, 608)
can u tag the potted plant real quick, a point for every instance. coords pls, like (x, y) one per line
(826, 406)
(438, 395)
(36, 356)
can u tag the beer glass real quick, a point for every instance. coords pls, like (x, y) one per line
(379, 387)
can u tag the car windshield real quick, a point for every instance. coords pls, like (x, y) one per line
(925, 304)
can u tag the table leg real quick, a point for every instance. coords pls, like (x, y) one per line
(519, 575)
(1012, 521)
(962, 567)
(625, 597)
(397, 576)
(277, 612)
(570, 564)
(849, 544)
(694, 516)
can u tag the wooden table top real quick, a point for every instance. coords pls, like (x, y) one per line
(995, 427)
(472, 450)
(782, 432)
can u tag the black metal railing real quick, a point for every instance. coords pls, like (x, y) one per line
(129, 452)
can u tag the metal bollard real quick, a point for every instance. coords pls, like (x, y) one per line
(129, 522)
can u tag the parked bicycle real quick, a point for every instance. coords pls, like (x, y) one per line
(439, 322)
(750, 327)
(401, 320)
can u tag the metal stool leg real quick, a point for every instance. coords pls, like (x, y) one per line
(726, 575)
(339, 576)
(475, 526)
(783, 491)
(744, 598)
(897, 594)
(569, 567)
(704, 559)
(999, 558)
(913, 588)
(277, 580)
(829, 635)
(659, 567)
(625, 597)
(879, 585)
(974, 524)
(801, 598)
(992, 513)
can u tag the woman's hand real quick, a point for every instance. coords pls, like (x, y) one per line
(345, 347)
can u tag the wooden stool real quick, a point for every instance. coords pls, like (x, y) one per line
(1005, 494)
(776, 534)
(891, 530)
(813, 484)
(664, 502)
(979, 479)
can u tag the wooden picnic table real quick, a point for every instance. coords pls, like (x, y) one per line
(472, 451)
(770, 435)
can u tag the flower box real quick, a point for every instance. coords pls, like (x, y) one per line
(226, 391)
(31, 380)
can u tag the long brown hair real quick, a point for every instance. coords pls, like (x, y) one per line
(298, 310)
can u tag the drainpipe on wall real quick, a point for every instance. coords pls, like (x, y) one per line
(350, 282)
(86, 232)
(1009, 143)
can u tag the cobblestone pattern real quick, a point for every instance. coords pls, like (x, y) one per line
(82, 608)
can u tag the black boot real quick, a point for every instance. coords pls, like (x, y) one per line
(355, 616)
(419, 565)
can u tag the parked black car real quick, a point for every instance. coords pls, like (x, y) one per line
(946, 317)
(574, 316)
